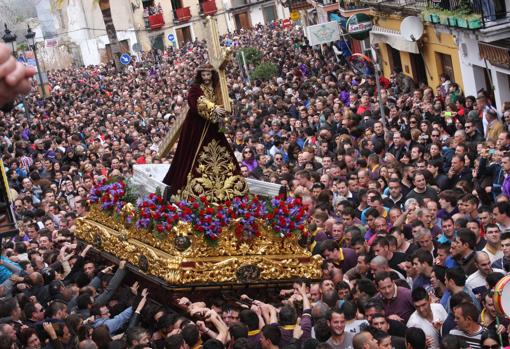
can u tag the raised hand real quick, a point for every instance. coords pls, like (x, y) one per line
(50, 330)
(85, 250)
(134, 288)
(201, 326)
(14, 76)
(107, 269)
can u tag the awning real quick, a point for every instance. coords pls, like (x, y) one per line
(497, 52)
(392, 38)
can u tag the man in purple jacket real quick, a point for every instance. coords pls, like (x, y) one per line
(398, 304)
(288, 320)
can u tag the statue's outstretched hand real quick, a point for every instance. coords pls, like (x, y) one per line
(220, 111)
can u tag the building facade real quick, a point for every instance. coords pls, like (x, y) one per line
(435, 53)
(143, 25)
(467, 42)
(484, 53)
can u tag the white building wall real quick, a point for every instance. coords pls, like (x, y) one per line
(87, 30)
(256, 15)
(472, 70)
(502, 82)
(77, 22)
(283, 12)
(49, 22)
(322, 15)
(86, 27)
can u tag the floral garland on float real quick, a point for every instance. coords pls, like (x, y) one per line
(197, 242)
(247, 216)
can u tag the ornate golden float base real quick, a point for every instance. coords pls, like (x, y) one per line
(186, 259)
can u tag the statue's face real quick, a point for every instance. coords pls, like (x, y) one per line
(206, 77)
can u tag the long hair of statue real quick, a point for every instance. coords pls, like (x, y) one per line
(215, 78)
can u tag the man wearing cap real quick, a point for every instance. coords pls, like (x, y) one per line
(204, 163)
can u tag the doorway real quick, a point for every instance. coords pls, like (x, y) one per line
(242, 20)
(394, 56)
(446, 64)
(157, 42)
(183, 35)
(108, 54)
(269, 13)
(489, 84)
(418, 67)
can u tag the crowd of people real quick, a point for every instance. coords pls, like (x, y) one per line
(410, 212)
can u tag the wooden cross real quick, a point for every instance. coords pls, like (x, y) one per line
(218, 58)
(173, 135)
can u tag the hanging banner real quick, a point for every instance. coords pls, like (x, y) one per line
(322, 33)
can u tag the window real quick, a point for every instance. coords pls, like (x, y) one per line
(367, 51)
(445, 65)
(176, 4)
(394, 56)
(419, 69)
(269, 13)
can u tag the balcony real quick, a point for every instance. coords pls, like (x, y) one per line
(349, 8)
(156, 21)
(297, 5)
(208, 8)
(485, 15)
(182, 14)
(326, 5)
(407, 7)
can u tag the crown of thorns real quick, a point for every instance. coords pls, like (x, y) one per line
(206, 67)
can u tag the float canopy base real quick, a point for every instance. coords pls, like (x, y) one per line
(185, 262)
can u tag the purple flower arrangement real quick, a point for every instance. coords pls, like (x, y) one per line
(110, 195)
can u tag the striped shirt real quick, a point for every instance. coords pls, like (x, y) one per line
(26, 162)
(472, 340)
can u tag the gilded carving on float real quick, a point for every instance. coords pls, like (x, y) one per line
(184, 258)
(216, 180)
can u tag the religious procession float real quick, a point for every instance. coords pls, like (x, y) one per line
(197, 242)
(212, 231)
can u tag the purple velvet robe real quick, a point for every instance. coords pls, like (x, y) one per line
(189, 144)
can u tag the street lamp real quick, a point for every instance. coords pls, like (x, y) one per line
(30, 36)
(10, 38)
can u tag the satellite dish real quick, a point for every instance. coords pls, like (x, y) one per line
(411, 28)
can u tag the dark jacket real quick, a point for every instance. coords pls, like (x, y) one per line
(464, 174)
(468, 263)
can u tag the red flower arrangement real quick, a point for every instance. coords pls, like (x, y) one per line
(154, 214)
(285, 216)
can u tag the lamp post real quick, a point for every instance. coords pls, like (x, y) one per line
(30, 36)
(10, 38)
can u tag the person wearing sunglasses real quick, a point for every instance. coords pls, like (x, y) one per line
(491, 340)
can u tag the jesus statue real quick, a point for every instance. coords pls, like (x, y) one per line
(204, 163)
